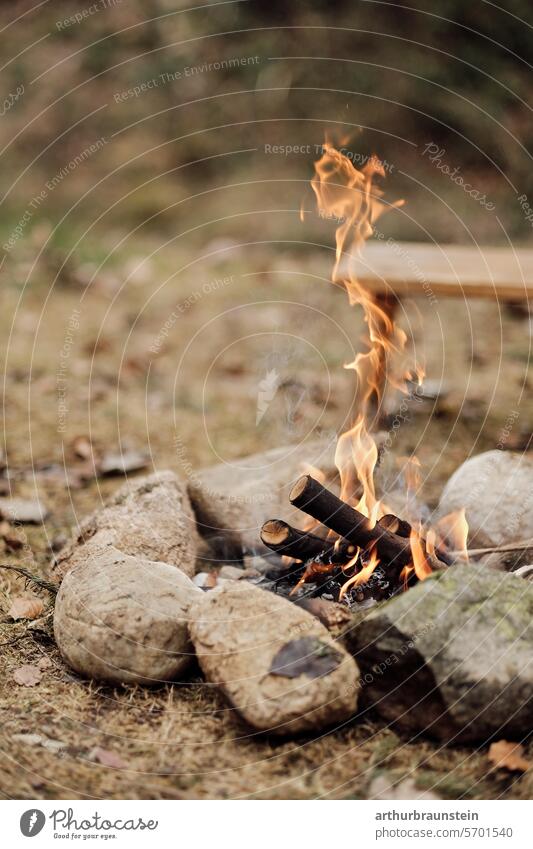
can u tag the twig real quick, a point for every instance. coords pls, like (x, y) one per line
(510, 546)
(40, 582)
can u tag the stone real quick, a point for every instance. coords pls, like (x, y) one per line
(149, 517)
(23, 510)
(452, 657)
(232, 573)
(124, 619)
(496, 489)
(277, 665)
(232, 502)
(122, 463)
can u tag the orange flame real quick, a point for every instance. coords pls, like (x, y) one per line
(453, 532)
(362, 576)
(349, 195)
(421, 566)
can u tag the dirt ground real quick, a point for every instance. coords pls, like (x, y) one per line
(167, 354)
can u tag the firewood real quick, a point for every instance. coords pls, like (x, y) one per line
(284, 539)
(314, 499)
(395, 525)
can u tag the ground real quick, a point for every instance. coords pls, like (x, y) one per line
(169, 355)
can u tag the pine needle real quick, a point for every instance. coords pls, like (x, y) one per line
(35, 579)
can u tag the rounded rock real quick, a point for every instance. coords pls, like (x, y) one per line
(124, 619)
(149, 517)
(496, 490)
(277, 665)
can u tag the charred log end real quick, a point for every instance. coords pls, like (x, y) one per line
(299, 489)
(274, 532)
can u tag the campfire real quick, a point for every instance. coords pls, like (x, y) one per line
(270, 623)
(369, 553)
(363, 560)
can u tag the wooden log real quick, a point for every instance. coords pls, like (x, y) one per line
(314, 499)
(395, 525)
(403, 529)
(284, 539)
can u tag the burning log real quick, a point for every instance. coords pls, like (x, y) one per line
(314, 499)
(284, 539)
(395, 525)
(393, 550)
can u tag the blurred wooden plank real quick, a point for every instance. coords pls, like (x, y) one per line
(420, 269)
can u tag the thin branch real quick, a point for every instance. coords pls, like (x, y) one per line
(39, 582)
(510, 546)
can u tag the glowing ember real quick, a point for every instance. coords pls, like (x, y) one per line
(362, 576)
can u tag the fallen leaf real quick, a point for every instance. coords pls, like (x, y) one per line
(27, 676)
(22, 510)
(107, 758)
(382, 788)
(25, 608)
(12, 540)
(508, 756)
(82, 447)
(305, 656)
(120, 464)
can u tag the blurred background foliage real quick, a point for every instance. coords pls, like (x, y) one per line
(388, 77)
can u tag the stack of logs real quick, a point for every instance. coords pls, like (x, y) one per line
(388, 542)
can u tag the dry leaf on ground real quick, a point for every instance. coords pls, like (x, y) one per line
(25, 608)
(12, 539)
(82, 447)
(510, 756)
(107, 758)
(27, 676)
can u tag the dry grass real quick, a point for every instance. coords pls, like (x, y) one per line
(182, 741)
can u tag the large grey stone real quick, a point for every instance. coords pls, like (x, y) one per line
(452, 657)
(496, 489)
(149, 517)
(232, 501)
